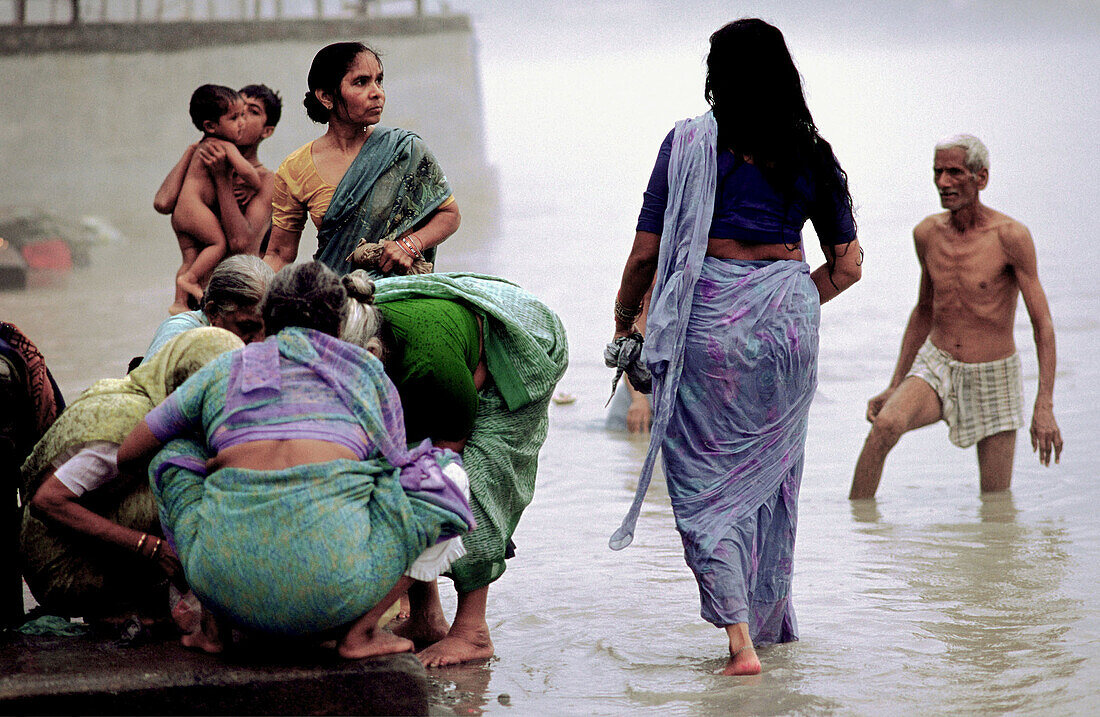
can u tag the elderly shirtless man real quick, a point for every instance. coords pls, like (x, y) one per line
(958, 359)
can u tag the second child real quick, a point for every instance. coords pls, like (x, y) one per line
(219, 113)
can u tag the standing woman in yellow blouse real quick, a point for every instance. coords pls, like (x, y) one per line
(360, 183)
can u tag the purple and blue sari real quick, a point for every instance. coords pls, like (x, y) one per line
(732, 346)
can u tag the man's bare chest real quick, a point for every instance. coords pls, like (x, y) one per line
(973, 267)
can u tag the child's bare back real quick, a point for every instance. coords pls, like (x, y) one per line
(194, 221)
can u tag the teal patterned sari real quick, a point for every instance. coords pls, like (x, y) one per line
(393, 184)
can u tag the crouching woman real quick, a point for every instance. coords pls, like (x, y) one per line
(312, 512)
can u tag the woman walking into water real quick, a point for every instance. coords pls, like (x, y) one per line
(731, 334)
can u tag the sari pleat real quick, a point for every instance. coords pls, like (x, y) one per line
(734, 448)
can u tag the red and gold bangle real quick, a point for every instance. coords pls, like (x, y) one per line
(404, 248)
(409, 246)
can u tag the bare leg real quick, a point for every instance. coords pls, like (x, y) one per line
(743, 659)
(468, 638)
(195, 278)
(179, 302)
(426, 623)
(208, 637)
(189, 250)
(995, 456)
(366, 639)
(201, 225)
(912, 405)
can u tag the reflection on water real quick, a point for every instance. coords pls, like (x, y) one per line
(983, 604)
(463, 688)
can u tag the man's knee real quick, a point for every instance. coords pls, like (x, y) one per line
(887, 429)
(913, 405)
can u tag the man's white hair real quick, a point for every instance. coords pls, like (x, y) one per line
(977, 156)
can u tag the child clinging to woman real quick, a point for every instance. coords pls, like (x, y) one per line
(218, 112)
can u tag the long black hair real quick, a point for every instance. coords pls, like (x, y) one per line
(755, 91)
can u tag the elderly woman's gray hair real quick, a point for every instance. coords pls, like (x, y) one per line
(239, 282)
(307, 295)
(363, 325)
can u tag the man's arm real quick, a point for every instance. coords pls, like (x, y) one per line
(244, 168)
(916, 329)
(1020, 249)
(243, 230)
(165, 200)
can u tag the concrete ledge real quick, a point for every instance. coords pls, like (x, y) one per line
(90, 676)
(171, 36)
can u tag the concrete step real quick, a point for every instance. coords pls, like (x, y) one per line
(92, 675)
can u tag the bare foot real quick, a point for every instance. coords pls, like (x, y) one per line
(403, 611)
(177, 308)
(207, 638)
(743, 662)
(372, 643)
(187, 284)
(426, 623)
(423, 630)
(460, 645)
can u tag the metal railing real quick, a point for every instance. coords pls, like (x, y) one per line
(80, 12)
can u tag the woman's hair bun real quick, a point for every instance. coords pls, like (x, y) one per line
(360, 286)
(315, 110)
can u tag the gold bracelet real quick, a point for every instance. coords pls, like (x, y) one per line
(156, 549)
(141, 542)
(624, 315)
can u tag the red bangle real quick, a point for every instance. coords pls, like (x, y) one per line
(407, 242)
